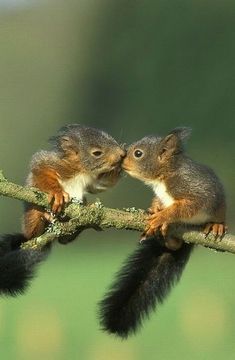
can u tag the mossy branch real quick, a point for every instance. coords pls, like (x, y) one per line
(96, 215)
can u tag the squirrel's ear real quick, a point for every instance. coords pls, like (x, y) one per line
(183, 133)
(67, 144)
(167, 146)
(64, 143)
(173, 142)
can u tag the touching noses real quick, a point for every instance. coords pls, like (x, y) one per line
(118, 157)
(122, 153)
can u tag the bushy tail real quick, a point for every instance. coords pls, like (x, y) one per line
(141, 285)
(17, 266)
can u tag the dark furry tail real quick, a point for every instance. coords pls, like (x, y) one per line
(17, 266)
(141, 285)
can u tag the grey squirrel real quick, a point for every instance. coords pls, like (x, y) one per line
(185, 192)
(83, 160)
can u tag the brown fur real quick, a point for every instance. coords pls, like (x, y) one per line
(193, 187)
(72, 156)
(185, 191)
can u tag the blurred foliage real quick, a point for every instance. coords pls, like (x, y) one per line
(133, 68)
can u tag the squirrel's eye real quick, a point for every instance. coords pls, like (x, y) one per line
(97, 153)
(138, 153)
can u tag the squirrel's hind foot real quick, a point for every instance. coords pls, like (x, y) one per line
(217, 229)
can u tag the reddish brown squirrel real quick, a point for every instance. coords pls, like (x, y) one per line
(185, 192)
(83, 160)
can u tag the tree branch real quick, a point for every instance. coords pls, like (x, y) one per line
(96, 215)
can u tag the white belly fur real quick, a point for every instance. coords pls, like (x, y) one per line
(76, 187)
(166, 200)
(160, 191)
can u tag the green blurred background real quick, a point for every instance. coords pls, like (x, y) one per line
(133, 68)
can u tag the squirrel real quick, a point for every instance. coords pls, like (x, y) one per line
(82, 160)
(185, 192)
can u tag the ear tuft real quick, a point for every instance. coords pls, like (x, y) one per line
(64, 143)
(66, 136)
(183, 133)
(173, 142)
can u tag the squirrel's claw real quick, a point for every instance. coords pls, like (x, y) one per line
(152, 210)
(155, 225)
(143, 237)
(149, 232)
(58, 199)
(217, 229)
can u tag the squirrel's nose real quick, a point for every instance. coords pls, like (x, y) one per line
(122, 153)
(117, 158)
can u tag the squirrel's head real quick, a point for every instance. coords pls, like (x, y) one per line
(95, 150)
(152, 156)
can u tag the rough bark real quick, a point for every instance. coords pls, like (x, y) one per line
(99, 216)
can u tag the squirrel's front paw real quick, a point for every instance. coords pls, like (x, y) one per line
(154, 225)
(57, 200)
(154, 208)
